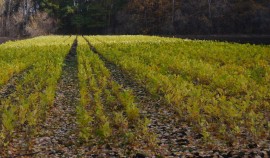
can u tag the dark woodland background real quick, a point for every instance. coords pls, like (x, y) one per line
(160, 17)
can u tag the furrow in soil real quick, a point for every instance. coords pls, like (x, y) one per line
(58, 133)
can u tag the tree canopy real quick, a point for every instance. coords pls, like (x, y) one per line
(141, 16)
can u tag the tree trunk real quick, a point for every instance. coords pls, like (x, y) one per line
(26, 15)
(4, 29)
(209, 9)
(2, 23)
(109, 7)
(173, 10)
(1, 16)
(7, 18)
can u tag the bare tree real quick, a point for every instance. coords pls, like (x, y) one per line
(26, 14)
(109, 6)
(2, 9)
(6, 17)
(209, 8)
(173, 10)
(75, 3)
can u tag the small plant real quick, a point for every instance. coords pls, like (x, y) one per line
(110, 99)
(130, 138)
(8, 124)
(120, 121)
(132, 112)
(84, 120)
(104, 131)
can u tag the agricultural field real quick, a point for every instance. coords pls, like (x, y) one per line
(133, 96)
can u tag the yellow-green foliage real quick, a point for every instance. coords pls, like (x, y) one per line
(112, 109)
(226, 85)
(35, 89)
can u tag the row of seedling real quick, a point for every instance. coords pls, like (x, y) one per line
(26, 108)
(107, 112)
(17, 56)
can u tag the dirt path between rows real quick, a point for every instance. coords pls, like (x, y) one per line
(58, 134)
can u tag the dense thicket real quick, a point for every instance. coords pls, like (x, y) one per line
(135, 16)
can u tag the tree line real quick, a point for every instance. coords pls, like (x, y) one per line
(167, 17)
